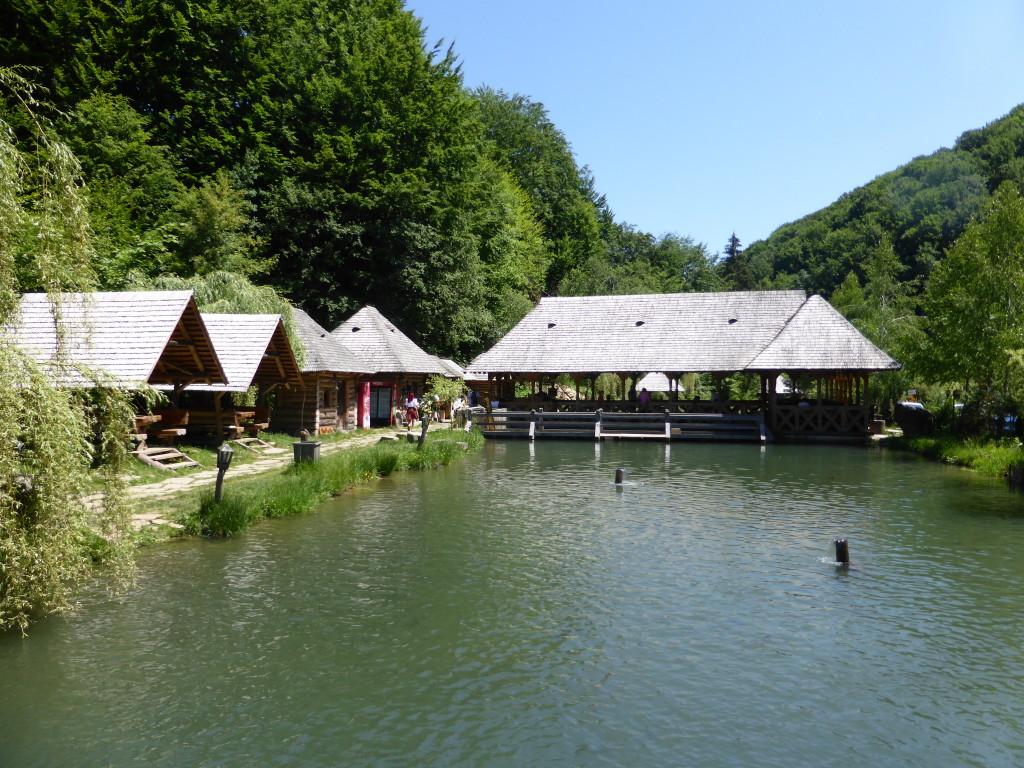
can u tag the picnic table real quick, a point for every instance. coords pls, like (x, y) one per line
(232, 423)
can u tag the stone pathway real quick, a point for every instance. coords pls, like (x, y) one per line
(274, 459)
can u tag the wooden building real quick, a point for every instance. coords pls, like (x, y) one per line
(398, 365)
(255, 352)
(326, 400)
(127, 338)
(765, 333)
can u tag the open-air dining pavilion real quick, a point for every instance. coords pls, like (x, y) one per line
(255, 353)
(764, 333)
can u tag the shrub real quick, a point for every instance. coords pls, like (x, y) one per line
(231, 515)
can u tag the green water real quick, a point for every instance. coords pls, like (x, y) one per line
(520, 610)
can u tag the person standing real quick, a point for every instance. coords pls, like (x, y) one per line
(412, 408)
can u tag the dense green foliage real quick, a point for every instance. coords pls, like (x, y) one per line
(921, 208)
(49, 436)
(325, 148)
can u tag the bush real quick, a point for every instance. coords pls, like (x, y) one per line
(231, 515)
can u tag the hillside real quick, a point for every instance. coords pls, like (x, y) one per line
(921, 208)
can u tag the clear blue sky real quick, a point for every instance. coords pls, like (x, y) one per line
(702, 118)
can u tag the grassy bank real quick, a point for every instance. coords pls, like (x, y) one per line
(302, 487)
(996, 458)
(205, 455)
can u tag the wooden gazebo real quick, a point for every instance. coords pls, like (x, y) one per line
(760, 332)
(126, 338)
(255, 352)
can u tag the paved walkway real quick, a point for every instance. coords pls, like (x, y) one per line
(274, 459)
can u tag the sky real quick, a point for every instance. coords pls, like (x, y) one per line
(708, 118)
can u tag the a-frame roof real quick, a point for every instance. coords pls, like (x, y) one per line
(254, 349)
(452, 369)
(818, 338)
(688, 332)
(324, 354)
(376, 340)
(682, 332)
(130, 337)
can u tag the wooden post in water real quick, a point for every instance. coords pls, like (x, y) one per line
(842, 551)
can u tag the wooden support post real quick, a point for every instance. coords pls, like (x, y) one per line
(218, 416)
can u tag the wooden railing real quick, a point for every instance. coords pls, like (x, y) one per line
(813, 419)
(601, 425)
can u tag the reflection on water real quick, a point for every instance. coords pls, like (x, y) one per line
(521, 610)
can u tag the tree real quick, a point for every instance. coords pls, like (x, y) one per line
(521, 136)
(735, 267)
(49, 435)
(974, 300)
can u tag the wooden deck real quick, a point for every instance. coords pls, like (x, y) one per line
(598, 425)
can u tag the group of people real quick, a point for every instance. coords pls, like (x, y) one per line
(411, 403)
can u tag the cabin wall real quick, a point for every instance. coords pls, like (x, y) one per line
(325, 403)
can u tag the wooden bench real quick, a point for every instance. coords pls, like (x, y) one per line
(260, 422)
(232, 422)
(170, 426)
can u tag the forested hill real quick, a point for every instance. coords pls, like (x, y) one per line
(920, 209)
(325, 148)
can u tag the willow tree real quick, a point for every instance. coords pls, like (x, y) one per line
(50, 436)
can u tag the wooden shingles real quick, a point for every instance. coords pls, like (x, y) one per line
(254, 349)
(376, 340)
(325, 354)
(131, 337)
(689, 332)
(819, 338)
(646, 332)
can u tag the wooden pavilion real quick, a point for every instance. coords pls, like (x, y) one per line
(326, 400)
(765, 333)
(398, 365)
(255, 352)
(127, 338)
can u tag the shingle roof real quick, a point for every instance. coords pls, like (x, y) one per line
(452, 369)
(324, 354)
(132, 336)
(253, 349)
(818, 338)
(682, 332)
(376, 340)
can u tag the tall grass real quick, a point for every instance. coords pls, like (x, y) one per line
(302, 487)
(990, 457)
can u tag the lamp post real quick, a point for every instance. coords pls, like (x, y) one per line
(224, 456)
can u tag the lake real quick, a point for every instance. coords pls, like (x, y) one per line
(520, 609)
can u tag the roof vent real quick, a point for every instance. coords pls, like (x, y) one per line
(732, 320)
(355, 328)
(639, 323)
(551, 325)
